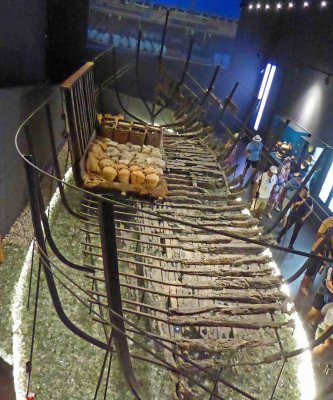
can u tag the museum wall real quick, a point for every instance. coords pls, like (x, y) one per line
(22, 42)
(16, 104)
(67, 32)
(304, 55)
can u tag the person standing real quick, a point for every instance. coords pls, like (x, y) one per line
(323, 296)
(252, 154)
(322, 247)
(324, 227)
(262, 190)
(283, 191)
(300, 211)
(281, 179)
(327, 312)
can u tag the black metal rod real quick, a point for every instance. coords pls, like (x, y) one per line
(243, 128)
(289, 354)
(34, 325)
(269, 150)
(100, 377)
(137, 78)
(325, 152)
(180, 83)
(211, 85)
(56, 163)
(278, 379)
(215, 388)
(193, 115)
(108, 377)
(164, 32)
(38, 230)
(31, 271)
(112, 285)
(44, 217)
(117, 88)
(227, 101)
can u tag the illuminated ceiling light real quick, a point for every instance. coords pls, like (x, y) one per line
(267, 6)
(290, 4)
(258, 6)
(279, 6)
(264, 81)
(323, 3)
(306, 4)
(265, 96)
(250, 6)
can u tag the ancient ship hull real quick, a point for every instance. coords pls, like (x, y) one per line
(186, 279)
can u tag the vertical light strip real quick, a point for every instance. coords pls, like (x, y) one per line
(264, 81)
(264, 97)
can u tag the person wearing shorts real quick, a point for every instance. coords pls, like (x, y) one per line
(327, 312)
(322, 247)
(252, 154)
(323, 296)
(324, 227)
(263, 186)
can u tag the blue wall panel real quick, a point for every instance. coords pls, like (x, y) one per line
(223, 8)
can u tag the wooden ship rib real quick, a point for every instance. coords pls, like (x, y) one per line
(172, 271)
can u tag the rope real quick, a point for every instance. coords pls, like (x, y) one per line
(29, 363)
(103, 366)
(108, 377)
(50, 193)
(31, 271)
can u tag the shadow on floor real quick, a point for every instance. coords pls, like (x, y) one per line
(7, 391)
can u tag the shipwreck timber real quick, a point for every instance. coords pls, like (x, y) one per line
(174, 271)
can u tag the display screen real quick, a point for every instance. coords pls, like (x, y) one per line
(327, 187)
(222, 8)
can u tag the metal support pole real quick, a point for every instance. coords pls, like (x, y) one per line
(324, 153)
(243, 128)
(164, 32)
(215, 389)
(159, 69)
(31, 271)
(117, 88)
(112, 286)
(269, 150)
(56, 164)
(44, 217)
(211, 85)
(29, 363)
(180, 83)
(41, 245)
(137, 79)
(227, 101)
(278, 379)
